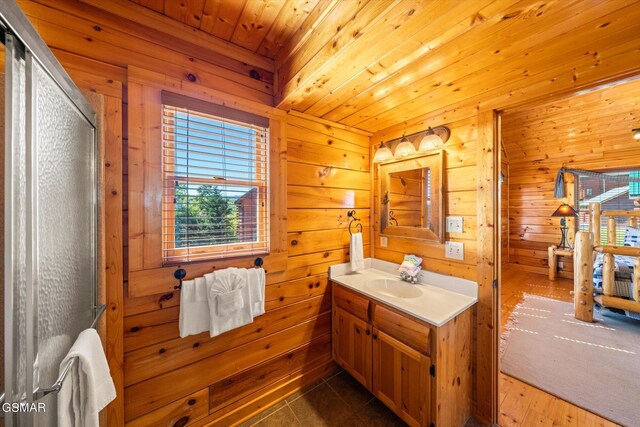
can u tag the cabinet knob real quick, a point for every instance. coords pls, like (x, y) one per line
(368, 332)
(375, 337)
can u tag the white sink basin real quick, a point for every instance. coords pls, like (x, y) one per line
(393, 288)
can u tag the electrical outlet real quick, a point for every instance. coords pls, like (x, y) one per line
(560, 265)
(383, 242)
(454, 250)
(454, 224)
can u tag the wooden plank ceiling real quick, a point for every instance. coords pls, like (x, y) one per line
(373, 64)
(262, 26)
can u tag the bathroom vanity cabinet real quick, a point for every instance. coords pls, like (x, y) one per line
(420, 371)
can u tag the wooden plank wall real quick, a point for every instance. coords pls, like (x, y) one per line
(198, 380)
(590, 131)
(328, 174)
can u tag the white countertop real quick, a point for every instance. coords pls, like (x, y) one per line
(442, 297)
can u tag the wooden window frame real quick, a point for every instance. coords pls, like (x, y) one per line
(147, 274)
(177, 256)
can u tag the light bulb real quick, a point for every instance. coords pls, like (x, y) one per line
(636, 133)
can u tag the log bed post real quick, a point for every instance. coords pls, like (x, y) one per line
(594, 223)
(635, 291)
(609, 265)
(583, 282)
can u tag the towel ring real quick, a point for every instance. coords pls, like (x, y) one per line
(392, 218)
(352, 214)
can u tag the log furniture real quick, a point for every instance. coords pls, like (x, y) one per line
(588, 243)
(554, 253)
(421, 372)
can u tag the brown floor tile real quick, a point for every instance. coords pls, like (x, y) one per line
(281, 418)
(375, 414)
(306, 389)
(262, 415)
(321, 407)
(473, 423)
(337, 370)
(353, 421)
(350, 390)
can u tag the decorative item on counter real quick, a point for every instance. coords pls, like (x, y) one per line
(410, 268)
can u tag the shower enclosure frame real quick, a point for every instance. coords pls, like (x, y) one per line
(22, 40)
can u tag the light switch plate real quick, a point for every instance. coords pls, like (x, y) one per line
(454, 224)
(383, 242)
(454, 250)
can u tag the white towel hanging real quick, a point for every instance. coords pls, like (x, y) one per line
(357, 252)
(88, 388)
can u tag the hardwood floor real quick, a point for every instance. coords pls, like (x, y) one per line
(520, 403)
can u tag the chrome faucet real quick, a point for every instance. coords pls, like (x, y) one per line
(410, 279)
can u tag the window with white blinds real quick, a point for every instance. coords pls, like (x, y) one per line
(215, 169)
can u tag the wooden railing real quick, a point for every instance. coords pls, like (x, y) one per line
(584, 250)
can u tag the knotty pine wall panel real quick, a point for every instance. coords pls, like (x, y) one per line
(317, 236)
(591, 131)
(168, 379)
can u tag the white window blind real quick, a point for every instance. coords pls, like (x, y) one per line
(215, 169)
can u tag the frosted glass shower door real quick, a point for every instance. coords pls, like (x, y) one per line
(64, 252)
(50, 230)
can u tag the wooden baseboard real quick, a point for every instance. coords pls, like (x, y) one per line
(251, 405)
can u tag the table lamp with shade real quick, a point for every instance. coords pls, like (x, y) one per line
(563, 211)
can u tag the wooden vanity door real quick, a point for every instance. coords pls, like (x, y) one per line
(352, 345)
(401, 379)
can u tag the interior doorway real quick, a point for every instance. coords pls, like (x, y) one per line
(550, 361)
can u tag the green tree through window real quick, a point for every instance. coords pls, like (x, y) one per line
(204, 217)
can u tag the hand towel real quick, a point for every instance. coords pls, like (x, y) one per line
(410, 265)
(357, 252)
(224, 314)
(229, 302)
(194, 307)
(256, 281)
(88, 387)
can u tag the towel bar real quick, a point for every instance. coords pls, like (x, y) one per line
(39, 393)
(181, 273)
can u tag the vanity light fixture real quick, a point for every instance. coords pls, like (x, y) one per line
(405, 148)
(382, 153)
(432, 139)
(636, 134)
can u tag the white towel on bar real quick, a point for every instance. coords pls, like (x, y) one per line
(88, 387)
(229, 300)
(194, 307)
(357, 252)
(256, 280)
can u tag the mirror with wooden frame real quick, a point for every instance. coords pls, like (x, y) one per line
(411, 202)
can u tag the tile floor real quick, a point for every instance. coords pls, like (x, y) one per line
(335, 401)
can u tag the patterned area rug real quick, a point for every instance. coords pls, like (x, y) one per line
(595, 366)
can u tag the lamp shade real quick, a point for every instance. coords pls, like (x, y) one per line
(405, 148)
(430, 142)
(382, 153)
(565, 210)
